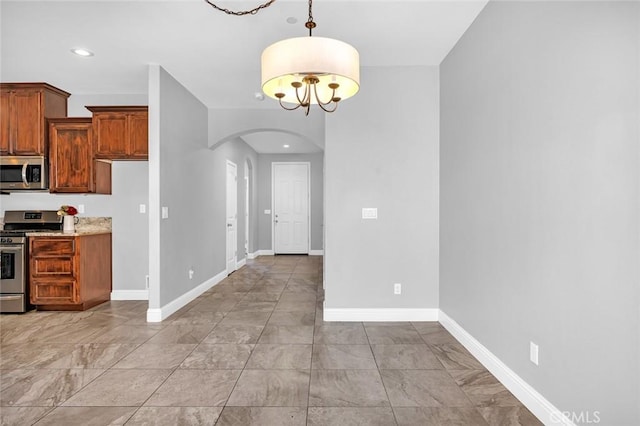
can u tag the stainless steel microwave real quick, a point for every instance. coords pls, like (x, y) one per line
(23, 173)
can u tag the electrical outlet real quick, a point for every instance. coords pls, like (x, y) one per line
(397, 288)
(80, 208)
(191, 272)
(533, 353)
(142, 208)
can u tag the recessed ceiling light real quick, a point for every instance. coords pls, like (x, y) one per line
(81, 51)
(292, 20)
(285, 146)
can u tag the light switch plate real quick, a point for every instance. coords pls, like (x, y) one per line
(80, 208)
(165, 212)
(143, 208)
(369, 212)
(267, 212)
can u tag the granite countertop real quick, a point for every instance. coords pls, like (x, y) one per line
(85, 226)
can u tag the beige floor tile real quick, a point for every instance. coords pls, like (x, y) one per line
(412, 416)
(175, 416)
(351, 334)
(423, 388)
(509, 416)
(218, 356)
(405, 357)
(455, 357)
(293, 334)
(195, 388)
(156, 356)
(280, 357)
(343, 357)
(352, 416)
(271, 388)
(342, 388)
(121, 388)
(47, 388)
(263, 416)
(88, 416)
(225, 333)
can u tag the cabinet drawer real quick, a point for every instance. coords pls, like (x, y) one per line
(46, 266)
(53, 292)
(42, 246)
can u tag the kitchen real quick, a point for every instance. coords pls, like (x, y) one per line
(129, 191)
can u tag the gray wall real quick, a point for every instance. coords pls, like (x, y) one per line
(190, 179)
(265, 197)
(182, 178)
(540, 197)
(382, 151)
(129, 189)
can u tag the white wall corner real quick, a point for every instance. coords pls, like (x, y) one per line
(130, 295)
(157, 315)
(380, 315)
(544, 410)
(316, 252)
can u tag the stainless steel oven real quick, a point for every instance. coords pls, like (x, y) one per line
(14, 295)
(23, 173)
(14, 282)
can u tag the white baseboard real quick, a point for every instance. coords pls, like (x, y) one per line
(130, 295)
(253, 255)
(376, 315)
(316, 252)
(546, 412)
(241, 263)
(265, 253)
(157, 315)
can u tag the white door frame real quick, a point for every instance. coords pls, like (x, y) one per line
(273, 201)
(247, 199)
(234, 247)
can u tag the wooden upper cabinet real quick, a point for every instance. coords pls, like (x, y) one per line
(120, 132)
(72, 166)
(24, 109)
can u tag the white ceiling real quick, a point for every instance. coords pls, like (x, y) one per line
(215, 56)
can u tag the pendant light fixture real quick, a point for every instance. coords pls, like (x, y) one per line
(310, 70)
(304, 71)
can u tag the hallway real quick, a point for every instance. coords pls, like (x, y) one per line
(253, 350)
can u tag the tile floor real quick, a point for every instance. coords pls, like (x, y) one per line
(253, 350)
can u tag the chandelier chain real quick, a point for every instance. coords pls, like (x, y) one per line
(241, 12)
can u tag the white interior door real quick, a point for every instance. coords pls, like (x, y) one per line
(246, 210)
(232, 217)
(291, 208)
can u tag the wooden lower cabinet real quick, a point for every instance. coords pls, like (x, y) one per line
(70, 273)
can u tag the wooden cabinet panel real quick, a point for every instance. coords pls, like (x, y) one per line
(28, 124)
(75, 281)
(110, 135)
(52, 266)
(121, 132)
(52, 246)
(54, 291)
(71, 159)
(5, 118)
(25, 108)
(139, 135)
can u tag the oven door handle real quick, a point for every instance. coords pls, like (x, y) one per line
(10, 297)
(24, 173)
